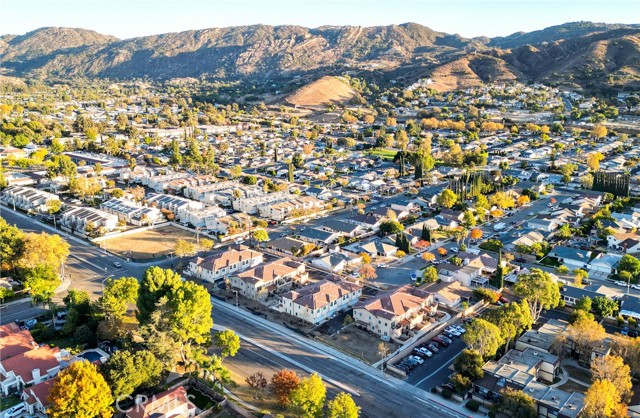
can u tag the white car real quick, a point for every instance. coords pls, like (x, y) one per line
(416, 359)
(355, 275)
(621, 283)
(425, 352)
(16, 410)
(635, 286)
(455, 249)
(460, 329)
(117, 264)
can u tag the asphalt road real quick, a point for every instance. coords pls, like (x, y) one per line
(265, 345)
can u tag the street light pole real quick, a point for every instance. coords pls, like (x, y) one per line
(236, 292)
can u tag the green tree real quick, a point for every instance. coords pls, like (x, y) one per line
(235, 171)
(11, 245)
(564, 232)
(605, 307)
(516, 403)
(61, 165)
(260, 235)
(469, 363)
(190, 317)
(540, 291)
(512, 319)
(430, 275)
(342, 406)
(125, 372)
(228, 342)
(297, 160)
(391, 227)
(307, 399)
(80, 391)
(156, 283)
(117, 294)
(447, 198)
(53, 206)
(613, 369)
(469, 219)
(184, 248)
(42, 281)
(483, 336)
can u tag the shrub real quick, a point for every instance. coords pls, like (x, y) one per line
(620, 320)
(447, 394)
(473, 405)
(632, 322)
(434, 390)
(487, 295)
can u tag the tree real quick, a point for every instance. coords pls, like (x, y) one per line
(391, 227)
(43, 249)
(368, 272)
(297, 160)
(126, 371)
(539, 289)
(523, 200)
(512, 319)
(580, 275)
(447, 198)
(250, 180)
(190, 317)
(80, 391)
(85, 186)
(184, 248)
(53, 206)
(283, 383)
(260, 235)
(476, 234)
(599, 131)
(567, 171)
(602, 400)
(430, 275)
(366, 258)
(206, 244)
(469, 219)
(469, 363)
(516, 403)
(630, 264)
(228, 342)
(257, 382)
(605, 307)
(585, 334)
(156, 283)
(428, 256)
(564, 232)
(593, 160)
(307, 399)
(342, 406)
(11, 245)
(61, 165)
(442, 251)
(42, 281)
(235, 171)
(613, 369)
(483, 336)
(117, 294)
(502, 200)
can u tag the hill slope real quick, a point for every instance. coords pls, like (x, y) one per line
(326, 90)
(403, 52)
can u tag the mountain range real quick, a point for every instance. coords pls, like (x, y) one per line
(582, 54)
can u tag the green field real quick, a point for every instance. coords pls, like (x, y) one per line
(384, 153)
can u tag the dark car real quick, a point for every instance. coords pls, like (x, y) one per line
(520, 260)
(441, 341)
(503, 299)
(633, 333)
(433, 347)
(448, 386)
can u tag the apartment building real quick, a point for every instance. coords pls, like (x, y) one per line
(250, 205)
(131, 212)
(317, 302)
(27, 198)
(79, 218)
(267, 279)
(206, 217)
(222, 265)
(394, 312)
(178, 205)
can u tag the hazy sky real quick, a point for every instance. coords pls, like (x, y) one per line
(130, 18)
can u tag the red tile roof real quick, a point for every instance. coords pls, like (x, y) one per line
(43, 358)
(162, 404)
(14, 341)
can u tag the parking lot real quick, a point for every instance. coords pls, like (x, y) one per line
(435, 370)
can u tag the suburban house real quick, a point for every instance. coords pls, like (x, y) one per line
(571, 257)
(395, 312)
(630, 307)
(222, 265)
(36, 397)
(571, 294)
(527, 239)
(25, 363)
(131, 212)
(342, 228)
(28, 198)
(469, 276)
(173, 403)
(285, 245)
(206, 217)
(229, 224)
(318, 237)
(317, 302)
(366, 221)
(543, 338)
(266, 279)
(336, 261)
(79, 218)
(542, 223)
(450, 294)
(377, 248)
(627, 242)
(292, 207)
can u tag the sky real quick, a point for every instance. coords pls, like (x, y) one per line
(469, 18)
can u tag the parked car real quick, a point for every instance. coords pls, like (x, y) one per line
(460, 329)
(445, 338)
(624, 331)
(455, 249)
(424, 351)
(621, 283)
(15, 410)
(633, 333)
(448, 386)
(633, 286)
(417, 359)
(433, 347)
(503, 299)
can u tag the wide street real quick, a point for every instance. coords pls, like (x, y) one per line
(274, 349)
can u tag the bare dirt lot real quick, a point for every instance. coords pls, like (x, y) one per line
(147, 244)
(358, 343)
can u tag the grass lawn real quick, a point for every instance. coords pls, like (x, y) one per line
(8, 402)
(384, 153)
(550, 262)
(61, 342)
(579, 374)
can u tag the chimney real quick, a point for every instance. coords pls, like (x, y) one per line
(36, 374)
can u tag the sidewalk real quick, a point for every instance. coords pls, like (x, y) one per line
(438, 402)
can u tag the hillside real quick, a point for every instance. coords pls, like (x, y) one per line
(326, 90)
(403, 52)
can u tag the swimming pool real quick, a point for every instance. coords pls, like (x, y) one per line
(91, 356)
